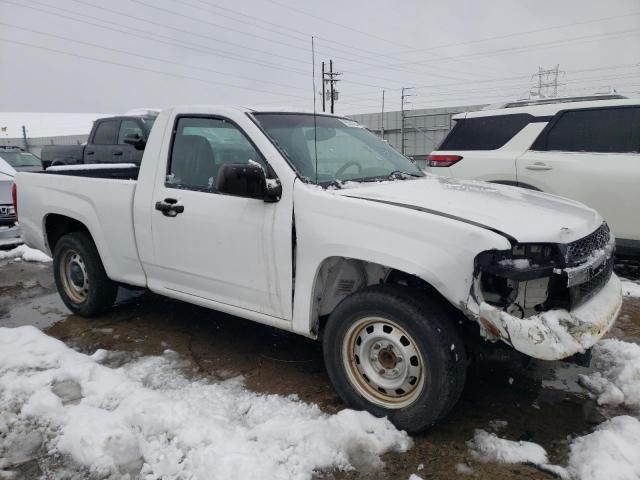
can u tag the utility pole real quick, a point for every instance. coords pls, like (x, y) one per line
(323, 95)
(330, 77)
(547, 82)
(24, 138)
(382, 117)
(402, 116)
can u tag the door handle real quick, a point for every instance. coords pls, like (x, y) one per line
(538, 166)
(90, 152)
(169, 207)
(117, 154)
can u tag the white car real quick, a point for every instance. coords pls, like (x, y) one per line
(585, 150)
(231, 209)
(9, 231)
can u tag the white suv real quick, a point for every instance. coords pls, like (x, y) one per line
(585, 150)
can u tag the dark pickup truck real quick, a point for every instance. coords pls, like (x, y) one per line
(106, 142)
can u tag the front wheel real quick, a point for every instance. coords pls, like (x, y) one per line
(395, 354)
(80, 278)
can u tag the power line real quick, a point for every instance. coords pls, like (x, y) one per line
(225, 41)
(188, 32)
(143, 69)
(519, 33)
(147, 57)
(421, 72)
(352, 29)
(504, 51)
(198, 47)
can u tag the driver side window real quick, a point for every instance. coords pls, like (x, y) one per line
(201, 146)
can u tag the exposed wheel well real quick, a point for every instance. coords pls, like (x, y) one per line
(339, 277)
(58, 225)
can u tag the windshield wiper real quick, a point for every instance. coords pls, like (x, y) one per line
(402, 175)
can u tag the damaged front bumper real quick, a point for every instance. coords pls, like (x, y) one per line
(555, 334)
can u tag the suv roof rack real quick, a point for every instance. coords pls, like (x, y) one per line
(547, 101)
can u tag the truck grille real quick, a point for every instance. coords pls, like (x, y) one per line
(581, 249)
(579, 294)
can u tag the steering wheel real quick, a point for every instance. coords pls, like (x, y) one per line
(345, 167)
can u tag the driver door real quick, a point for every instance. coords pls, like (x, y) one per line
(219, 248)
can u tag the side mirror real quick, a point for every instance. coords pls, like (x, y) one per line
(135, 140)
(247, 180)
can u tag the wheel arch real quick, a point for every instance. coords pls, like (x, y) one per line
(57, 225)
(337, 277)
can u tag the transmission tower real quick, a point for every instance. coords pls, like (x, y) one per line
(547, 82)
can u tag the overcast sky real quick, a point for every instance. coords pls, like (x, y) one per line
(97, 56)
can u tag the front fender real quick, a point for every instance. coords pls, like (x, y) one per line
(439, 250)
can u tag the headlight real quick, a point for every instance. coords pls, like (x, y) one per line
(525, 261)
(517, 279)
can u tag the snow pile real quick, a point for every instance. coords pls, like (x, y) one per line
(487, 447)
(145, 418)
(22, 252)
(610, 452)
(617, 379)
(630, 289)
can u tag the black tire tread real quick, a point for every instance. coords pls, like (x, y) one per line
(102, 290)
(412, 305)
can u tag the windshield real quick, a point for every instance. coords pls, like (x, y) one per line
(345, 149)
(21, 159)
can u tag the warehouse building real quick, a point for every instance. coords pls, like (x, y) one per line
(424, 129)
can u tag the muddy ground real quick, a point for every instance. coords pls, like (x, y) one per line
(540, 402)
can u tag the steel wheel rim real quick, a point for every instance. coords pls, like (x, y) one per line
(75, 279)
(383, 362)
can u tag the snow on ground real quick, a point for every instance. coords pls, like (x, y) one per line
(487, 447)
(22, 252)
(616, 380)
(610, 452)
(147, 418)
(630, 289)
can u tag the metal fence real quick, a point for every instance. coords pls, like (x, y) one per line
(34, 145)
(424, 129)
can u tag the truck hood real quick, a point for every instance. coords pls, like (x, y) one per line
(525, 215)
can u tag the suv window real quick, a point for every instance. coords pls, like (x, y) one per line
(605, 130)
(485, 133)
(201, 146)
(127, 127)
(106, 132)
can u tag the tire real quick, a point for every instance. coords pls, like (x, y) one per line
(389, 325)
(80, 278)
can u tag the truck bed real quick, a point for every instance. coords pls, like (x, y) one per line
(99, 198)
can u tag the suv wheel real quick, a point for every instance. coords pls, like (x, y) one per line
(395, 354)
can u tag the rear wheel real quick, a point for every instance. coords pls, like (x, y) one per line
(395, 354)
(80, 278)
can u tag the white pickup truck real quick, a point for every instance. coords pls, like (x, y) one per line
(314, 225)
